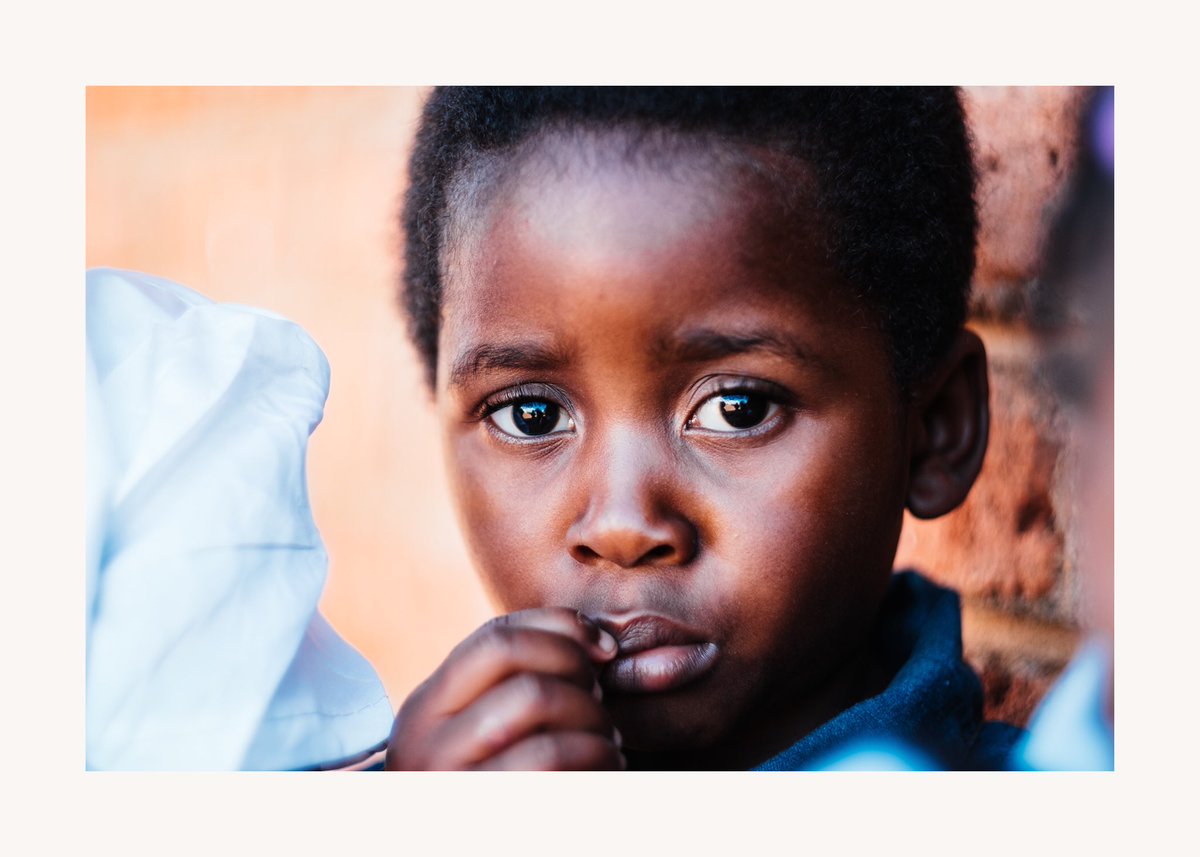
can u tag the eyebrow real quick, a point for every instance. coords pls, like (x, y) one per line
(693, 346)
(527, 356)
(704, 344)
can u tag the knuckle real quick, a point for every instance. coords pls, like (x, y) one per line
(496, 641)
(574, 751)
(501, 643)
(535, 691)
(547, 753)
(494, 732)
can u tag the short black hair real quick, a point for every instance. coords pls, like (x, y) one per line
(895, 185)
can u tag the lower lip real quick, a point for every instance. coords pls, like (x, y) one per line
(660, 669)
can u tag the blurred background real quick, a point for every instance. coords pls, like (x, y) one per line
(287, 199)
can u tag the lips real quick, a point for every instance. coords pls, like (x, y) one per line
(656, 655)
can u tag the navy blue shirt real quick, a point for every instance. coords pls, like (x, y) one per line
(933, 704)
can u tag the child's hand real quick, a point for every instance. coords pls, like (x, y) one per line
(518, 694)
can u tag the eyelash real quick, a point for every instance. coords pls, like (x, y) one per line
(519, 393)
(516, 395)
(775, 396)
(542, 392)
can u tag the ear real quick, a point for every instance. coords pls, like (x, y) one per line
(949, 430)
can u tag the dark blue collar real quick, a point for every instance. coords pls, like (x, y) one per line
(934, 702)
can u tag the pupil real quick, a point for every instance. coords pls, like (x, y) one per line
(742, 411)
(535, 417)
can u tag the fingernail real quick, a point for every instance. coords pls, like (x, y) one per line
(597, 691)
(617, 739)
(624, 763)
(608, 642)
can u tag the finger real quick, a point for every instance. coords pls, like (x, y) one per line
(558, 751)
(497, 652)
(519, 707)
(600, 644)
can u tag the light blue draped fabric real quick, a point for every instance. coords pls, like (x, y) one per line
(1069, 730)
(204, 566)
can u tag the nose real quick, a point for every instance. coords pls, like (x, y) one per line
(631, 513)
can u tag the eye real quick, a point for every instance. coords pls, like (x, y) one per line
(733, 411)
(532, 418)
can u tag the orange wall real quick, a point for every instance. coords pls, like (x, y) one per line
(286, 199)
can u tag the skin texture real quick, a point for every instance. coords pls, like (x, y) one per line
(632, 297)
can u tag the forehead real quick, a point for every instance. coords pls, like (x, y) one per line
(675, 230)
(645, 189)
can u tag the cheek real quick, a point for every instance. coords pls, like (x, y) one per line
(507, 512)
(813, 528)
(828, 489)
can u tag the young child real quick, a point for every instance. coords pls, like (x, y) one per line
(694, 351)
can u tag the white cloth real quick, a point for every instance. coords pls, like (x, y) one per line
(204, 565)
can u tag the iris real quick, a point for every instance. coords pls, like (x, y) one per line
(535, 418)
(741, 410)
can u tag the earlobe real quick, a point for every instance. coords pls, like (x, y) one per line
(949, 420)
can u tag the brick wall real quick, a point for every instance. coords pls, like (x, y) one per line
(1010, 550)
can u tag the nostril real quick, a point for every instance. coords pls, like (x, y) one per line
(660, 552)
(655, 556)
(583, 553)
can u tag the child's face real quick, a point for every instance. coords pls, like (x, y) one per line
(688, 425)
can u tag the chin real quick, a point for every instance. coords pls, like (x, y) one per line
(665, 723)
